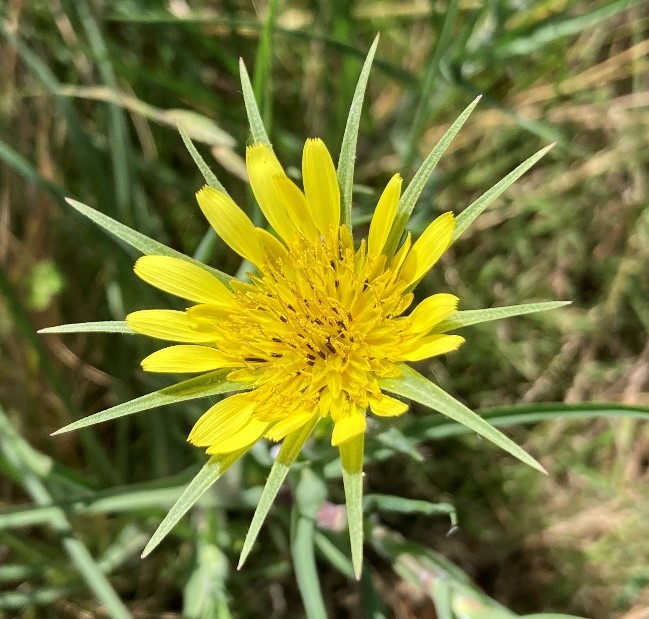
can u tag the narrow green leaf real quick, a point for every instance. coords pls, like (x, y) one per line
(203, 386)
(329, 551)
(473, 317)
(289, 451)
(431, 81)
(259, 135)
(106, 326)
(263, 76)
(471, 212)
(118, 134)
(389, 503)
(351, 458)
(416, 387)
(137, 240)
(310, 493)
(208, 175)
(347, 157)
(211, 472)
(419, 180)
(505, 416)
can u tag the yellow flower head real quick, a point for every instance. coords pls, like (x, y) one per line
(319, 322)
(319, 330)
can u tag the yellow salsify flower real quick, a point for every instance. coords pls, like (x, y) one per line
(319, 322)
(321, 330)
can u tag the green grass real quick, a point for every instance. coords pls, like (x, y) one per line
(88, 106)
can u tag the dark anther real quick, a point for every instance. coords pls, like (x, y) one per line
(255, 360)
(310, 357)
(283, 318)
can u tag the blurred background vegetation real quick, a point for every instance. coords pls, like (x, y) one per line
(90, 95)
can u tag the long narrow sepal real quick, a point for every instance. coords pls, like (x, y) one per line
(255, 121)
(351, 458)
(137, 240)
(207, 385)
(471, 212)
(416, 387)
(347, 158)
(290, 449)
(105, 326)
(473, 317)
(211, 472)
(208, 175)
(419, 180)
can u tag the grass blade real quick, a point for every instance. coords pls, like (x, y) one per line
(347, 157)
(289, 451)
(351, 459)
(263, 76)
(310, 493)
(505, 416)
(137, 240)
(416, 387)
(214, 383)
(209, 474)
(471, 212)
(430, 81)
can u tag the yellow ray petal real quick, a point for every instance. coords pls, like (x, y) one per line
(383, 217)
(168, 325)
(222, 420)
(262, 168)
(296, 206)
(187, 358)
(180, 278)
(386, 406)
(271, 246)
(431, 311)
(249, 434)
(429, 247)
(432, 346)
(288, 425)
(231, 224)
(321, 185)
(347, 427)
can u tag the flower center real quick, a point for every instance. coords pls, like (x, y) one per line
(316, 328)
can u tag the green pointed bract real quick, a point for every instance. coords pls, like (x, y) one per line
(137, 240)
(351, 459)
(210, 473)
(416, 186)
(471, 212)
(473, 317)
(203, 386)
(290, 449)
(414, 386)
(259, 135)
(105, 326)
(208, 175)
(347, 158)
